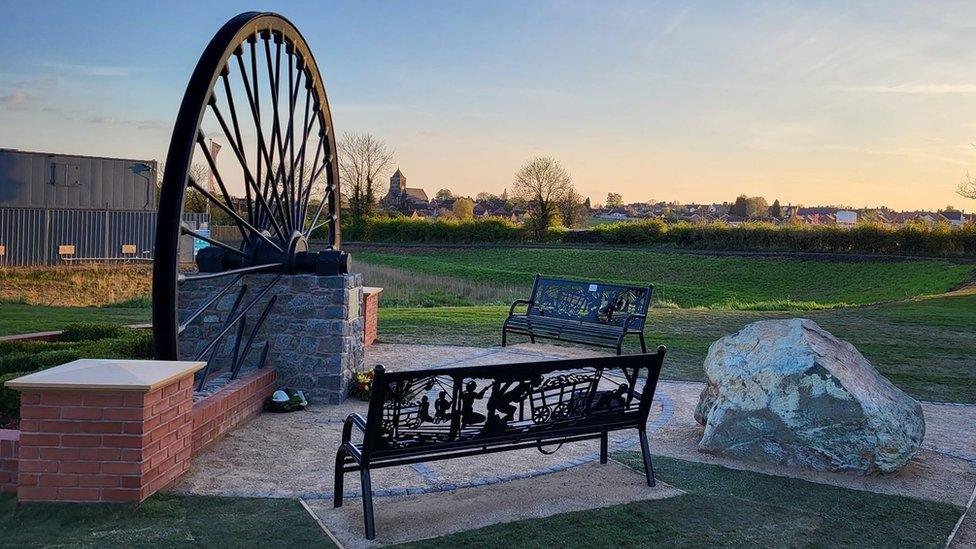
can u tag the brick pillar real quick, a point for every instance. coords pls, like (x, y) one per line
(99, 444)
(9, 440)
(371, 303)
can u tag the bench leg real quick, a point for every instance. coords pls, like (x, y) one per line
(646, 451)
(643, 345)
(367, 503)
(532, 338)
(504, 337)
(337, 488)
(604, 454)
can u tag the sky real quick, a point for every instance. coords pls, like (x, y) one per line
(844, 103)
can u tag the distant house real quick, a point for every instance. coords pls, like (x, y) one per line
(846, 217)
(954, 218)
(404, 199)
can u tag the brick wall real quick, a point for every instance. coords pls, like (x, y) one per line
(371, 306)
(232, 405)
(103, 446)
(8, 460)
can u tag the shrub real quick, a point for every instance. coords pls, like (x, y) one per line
(9, 398)
(872, 238)
(87, 331)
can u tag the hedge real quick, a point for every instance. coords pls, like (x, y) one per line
(911, 239)
(87, 340)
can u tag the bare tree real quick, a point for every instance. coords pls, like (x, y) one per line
(542, 183)
(363, 159)
(967, 188)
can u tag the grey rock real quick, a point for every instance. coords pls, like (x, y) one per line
(788, 392)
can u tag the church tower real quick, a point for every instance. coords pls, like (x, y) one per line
(398, 184)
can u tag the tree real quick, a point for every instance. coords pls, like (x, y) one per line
(573, 211)
(750, 206)
(776, 210)
(444, 194)
(542, 183)
(614, 200)
(967, 189)
(464, 208)
(739, 206)
(485, 197)
(363, 159)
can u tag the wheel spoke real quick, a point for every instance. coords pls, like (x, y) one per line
(234, 215)
(239, 360)
(248, 178)
(237, 131)
(239, 316)
(214, 345)
(242, 270)
(210, 301)
(186, 230)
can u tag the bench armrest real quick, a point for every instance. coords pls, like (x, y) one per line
(634, 316)
(516, 303)
(352, 419)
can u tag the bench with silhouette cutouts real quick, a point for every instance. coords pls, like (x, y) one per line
(427, 415)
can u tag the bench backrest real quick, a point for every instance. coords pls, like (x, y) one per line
(595, 302)
(437, 409)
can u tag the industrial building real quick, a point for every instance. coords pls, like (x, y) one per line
(60, 208)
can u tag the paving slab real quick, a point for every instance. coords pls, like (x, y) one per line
(416, 517)
(292, 455)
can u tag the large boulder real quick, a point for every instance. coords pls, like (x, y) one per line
(789, 392)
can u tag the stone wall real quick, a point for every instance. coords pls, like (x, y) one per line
(315, 329)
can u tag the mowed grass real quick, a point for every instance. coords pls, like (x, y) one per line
(160, 521)
(683, 280)
(925, 346)
(20, 318)
(729, 508)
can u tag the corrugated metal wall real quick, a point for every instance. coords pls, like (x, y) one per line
(58, 181)
(33, 236)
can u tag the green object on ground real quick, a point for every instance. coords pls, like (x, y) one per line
(730, 508)
(161, 521)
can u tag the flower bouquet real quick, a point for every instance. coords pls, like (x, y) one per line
(362, 385)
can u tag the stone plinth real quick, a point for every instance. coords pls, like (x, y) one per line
(315, 329)
(104, 430)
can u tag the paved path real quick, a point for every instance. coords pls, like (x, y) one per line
(291, 455)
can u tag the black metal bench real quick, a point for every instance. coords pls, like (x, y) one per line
(428, 415)
(591, 313)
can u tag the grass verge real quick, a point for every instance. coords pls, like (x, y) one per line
(161, 521)
(729, 508)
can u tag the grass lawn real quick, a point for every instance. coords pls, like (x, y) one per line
(160, 521)
(722, 508)
(925, 346)
(19, 318)
(729, 508)
(466, 277)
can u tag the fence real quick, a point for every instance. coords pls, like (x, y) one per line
(41, 236)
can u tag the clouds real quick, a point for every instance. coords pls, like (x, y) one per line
(915, 89)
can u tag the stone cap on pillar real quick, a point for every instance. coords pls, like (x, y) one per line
(107, 375)
(369, 290)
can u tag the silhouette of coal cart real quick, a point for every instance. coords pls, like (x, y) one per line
(563, 397)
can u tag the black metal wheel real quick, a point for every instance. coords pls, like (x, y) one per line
(258, 93)
(541, 414)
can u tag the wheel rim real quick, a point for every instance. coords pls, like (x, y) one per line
(258, 91)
